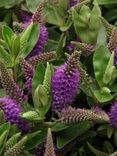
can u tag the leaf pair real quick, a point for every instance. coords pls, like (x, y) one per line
(105, 73)
(86, 23)
(42, 89)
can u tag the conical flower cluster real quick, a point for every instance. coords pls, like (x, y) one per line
(28, 71)
(72, 116)
(12, 112)
(86, 49)
(10, 86)
(65, 84)
(113, 40)
(12, 141)
(49, 151)
(16, 150)
(42, 58)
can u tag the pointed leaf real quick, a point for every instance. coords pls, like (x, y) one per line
(103, 95)
(100, 60)
(72, 132)
(35, 139)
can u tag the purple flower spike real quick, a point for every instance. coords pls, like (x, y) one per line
(65, 83)
(113, 115)
(12, 113)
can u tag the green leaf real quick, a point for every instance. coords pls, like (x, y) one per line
(83, 18)
(102, 38)
(59, 127)
(109, 132)
(108, 147)
(29, 38)
(67, 24)
(94, 24)
(5, 56)
(7, 34)
(41, 100)
(100, 60)
(33, 38)
(113, 87)
(35, 139)
(32, 5)
(61, 45)
(54, 15)
(106, 2)
(38, 77)
(110, 72)
(15, 46)
(7, 3)
(97, 152)
(72, 132)
(87, 23)
(4, 130)
(103, 95)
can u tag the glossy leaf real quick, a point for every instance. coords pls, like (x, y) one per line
(72, 132)
(100, 60)
(33, 38)
(38, 76)
(103, 95)
(32, 5)
(41, 100)
(5, 56)
(87, 23)
(102, 38)
(35, 139)
(110, 72)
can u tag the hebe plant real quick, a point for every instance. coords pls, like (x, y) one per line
(58, 76)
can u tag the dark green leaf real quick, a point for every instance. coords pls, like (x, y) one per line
(35, 139)
(38, 77)
(103, 95)
(72, 132)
